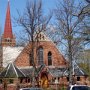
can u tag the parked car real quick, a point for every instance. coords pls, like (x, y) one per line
(78, 87)
(89, 88)
(31, 88)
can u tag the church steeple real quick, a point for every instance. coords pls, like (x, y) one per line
(8, 25)
(8, 39)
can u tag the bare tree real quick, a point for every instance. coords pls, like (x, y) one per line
(85, 13)
(33, 22)
(69, 27)
(88, 1)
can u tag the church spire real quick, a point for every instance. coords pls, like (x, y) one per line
(8, 39)
(8, 25)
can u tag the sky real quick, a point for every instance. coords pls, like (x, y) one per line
(19, 5)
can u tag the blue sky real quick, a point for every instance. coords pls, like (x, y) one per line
(20, 5)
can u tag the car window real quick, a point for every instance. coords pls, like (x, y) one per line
(80, 88)
(25, 89)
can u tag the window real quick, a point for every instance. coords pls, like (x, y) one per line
(5, 40)
(28, 80)
(40, 56)
(0, 81)
(8, 40)
(49, 58)
(78, 78)
(67, 78)
(30, 59)
(80, 88)
(40, 36)
(10, 81)
(21, 80)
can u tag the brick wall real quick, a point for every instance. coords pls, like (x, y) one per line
(57, 58)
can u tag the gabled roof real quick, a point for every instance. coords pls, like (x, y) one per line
(77, 71)
(29, 71)
(41, 36)
(11, 71)
(56, 72)
(10, 54)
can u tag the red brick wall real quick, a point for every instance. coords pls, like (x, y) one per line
(5, 42)
(57, 58)
(9, 87)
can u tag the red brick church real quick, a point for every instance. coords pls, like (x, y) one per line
(50, 63)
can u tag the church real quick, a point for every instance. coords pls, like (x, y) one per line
(51, 66)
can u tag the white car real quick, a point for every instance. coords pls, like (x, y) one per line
(31, 88)
(78, 87)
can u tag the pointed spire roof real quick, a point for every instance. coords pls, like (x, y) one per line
(8, 26)
(11, 71)
(76, 70)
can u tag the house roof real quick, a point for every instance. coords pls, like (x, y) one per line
(41, 36)
(11, 71)
(29, 71)
(56, 72)
(76, 70)
(10, 54)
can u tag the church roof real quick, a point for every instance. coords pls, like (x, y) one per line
(10, 54)
(11, 71)
(29, 71)
(76, 70)
(41, 36)
(8, 26)
(56, 72)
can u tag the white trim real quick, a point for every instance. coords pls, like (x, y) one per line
(14, 69)
(26, 67)
(50, 73)
(7, 69)
(74, 63)
(21, 71)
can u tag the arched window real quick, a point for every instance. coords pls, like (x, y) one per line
(40, 56)
(49, 58)
(30, 59)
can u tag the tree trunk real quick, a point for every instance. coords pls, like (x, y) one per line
(70, 60)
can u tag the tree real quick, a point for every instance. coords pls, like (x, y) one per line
(33, 22)
(84, 60)
(69, 27)
(85, 13)
(88, 1)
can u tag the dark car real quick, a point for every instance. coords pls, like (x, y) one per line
(31, 88)
(78, 87)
